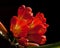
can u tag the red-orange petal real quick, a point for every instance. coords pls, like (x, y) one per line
(41, 17)
(23, 41)
(21, 10)
(37, 38)
(18, 27)
(25, 13)
(38, 28)
(24, 31)
(13, 22)
(43, 39)
(37, 21)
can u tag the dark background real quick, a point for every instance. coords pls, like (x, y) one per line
(8, 8)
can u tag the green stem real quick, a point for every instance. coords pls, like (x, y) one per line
(54, 45)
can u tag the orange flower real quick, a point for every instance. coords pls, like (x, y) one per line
(23, 41)
(38, 28)
(25, 13)
(26, 26)
(40, 39)
(38, 25)
(18, 27)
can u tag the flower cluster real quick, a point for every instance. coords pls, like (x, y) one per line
(27, 28)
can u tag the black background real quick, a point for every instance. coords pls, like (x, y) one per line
(8, 8)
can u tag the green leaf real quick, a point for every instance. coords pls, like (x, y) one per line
(54, 45)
